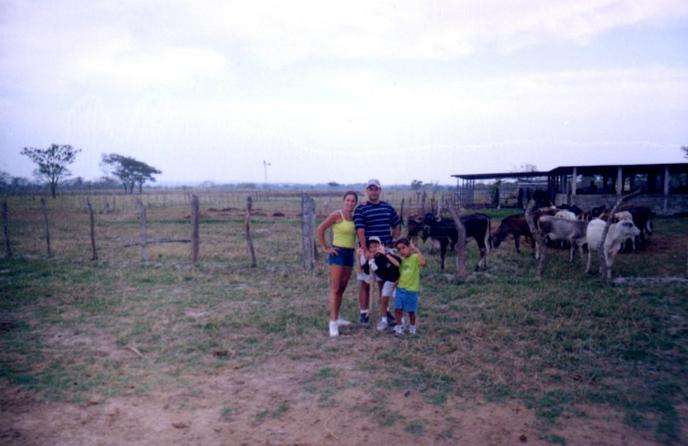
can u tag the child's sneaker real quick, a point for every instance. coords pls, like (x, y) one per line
(382, 324)
(398, 330)
(364, 319)
(343, 323)
(412, 329)
(334, 329)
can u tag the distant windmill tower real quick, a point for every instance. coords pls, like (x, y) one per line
(265, 169)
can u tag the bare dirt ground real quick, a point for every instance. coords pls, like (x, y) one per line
(286, 401)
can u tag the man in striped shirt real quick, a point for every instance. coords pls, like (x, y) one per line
(375, 218)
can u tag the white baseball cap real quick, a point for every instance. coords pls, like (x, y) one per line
(374, 182)
(375, 239)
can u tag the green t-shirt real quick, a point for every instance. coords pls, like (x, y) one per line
(409, 270)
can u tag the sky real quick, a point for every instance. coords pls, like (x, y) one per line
(317, 91)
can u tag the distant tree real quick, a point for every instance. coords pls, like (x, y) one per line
(130, 171)
(528, 167)
(52, 163)
(333, 184)
(75, 183)
(685, 151)
(416, 184)
(20, 182)
(5, 178)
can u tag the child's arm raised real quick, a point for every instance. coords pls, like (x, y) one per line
(390, 257)
(421, 257)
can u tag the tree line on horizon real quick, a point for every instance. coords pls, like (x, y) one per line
(52, 167)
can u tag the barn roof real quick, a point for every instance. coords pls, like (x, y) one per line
(596, 169)
(580, 170)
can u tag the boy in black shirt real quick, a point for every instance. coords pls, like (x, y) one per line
(384, 271)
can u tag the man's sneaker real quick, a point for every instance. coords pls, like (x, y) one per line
(391, 320)
(382, 324)
(364, 319)
(412, 329)
(398, 330)
(343, 323)
(334, 329)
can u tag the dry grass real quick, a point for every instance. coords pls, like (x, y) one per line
(68, 326)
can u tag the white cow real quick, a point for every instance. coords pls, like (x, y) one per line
(618, 232)
(625, 215)
(568, 215)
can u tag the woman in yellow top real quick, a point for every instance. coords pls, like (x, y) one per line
(341, 255)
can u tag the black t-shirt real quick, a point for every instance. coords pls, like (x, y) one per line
(386, 270)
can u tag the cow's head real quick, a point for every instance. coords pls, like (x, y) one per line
(497, 239)
(628, 228)
(414, 225)
(428, 222)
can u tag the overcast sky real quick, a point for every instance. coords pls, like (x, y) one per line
(344, 91)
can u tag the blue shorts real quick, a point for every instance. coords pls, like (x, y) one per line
(344, 257)
(406, 300)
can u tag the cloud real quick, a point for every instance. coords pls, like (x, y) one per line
(279, 33)
(123, 63)
(181, 39)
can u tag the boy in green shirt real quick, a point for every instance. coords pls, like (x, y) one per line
(406, 294)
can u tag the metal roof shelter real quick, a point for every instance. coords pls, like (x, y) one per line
(466, 182)
(490, 176)
(586, 185)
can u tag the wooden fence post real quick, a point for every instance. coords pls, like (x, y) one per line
(307, 231)
(540, 247)
(142, 236)
(6, 230)
(195, 242)
(44, 210)
(460, 244)
(92, 226)
(247, 227)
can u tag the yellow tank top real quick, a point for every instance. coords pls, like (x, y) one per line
(344, 233)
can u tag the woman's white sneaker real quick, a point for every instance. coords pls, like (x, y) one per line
(334, 329)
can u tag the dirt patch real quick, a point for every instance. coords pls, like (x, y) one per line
(290, 402)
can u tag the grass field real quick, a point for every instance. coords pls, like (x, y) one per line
(554, 360)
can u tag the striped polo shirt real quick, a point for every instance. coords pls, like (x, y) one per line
(377, 220)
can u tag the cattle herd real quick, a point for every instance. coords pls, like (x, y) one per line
(563, 226)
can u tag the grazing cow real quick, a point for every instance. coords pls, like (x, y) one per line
(555, 228)
(578, 212)
(444, 232)
(618, 232)
(516, 226)
(630, 239)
